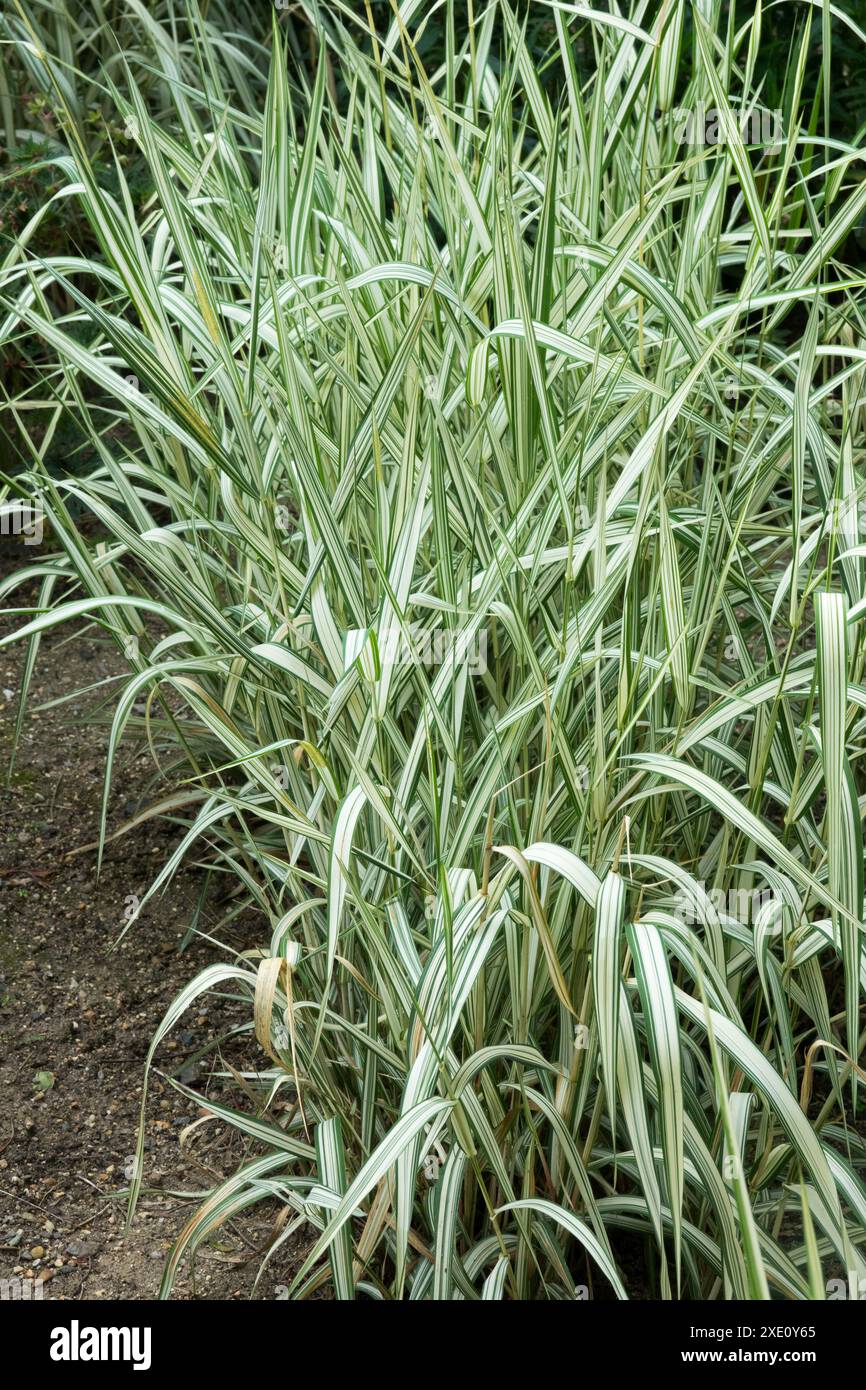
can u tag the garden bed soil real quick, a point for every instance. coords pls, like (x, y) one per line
(78, 1011)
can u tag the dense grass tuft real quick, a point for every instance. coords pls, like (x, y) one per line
(478, 503)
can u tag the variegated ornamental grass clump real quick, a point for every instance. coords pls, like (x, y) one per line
(486, 351)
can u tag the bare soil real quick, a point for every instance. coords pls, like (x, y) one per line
(78, 1011)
